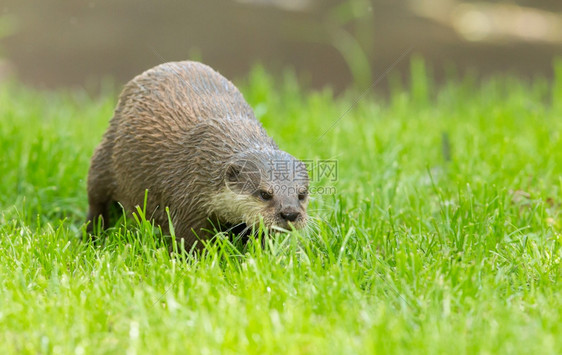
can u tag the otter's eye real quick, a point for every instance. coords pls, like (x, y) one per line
(302, 195)
(265, 195)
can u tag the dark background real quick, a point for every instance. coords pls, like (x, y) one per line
(49, 43)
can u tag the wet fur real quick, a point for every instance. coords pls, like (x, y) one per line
(175, 130)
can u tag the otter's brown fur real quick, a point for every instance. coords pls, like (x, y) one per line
(185, 133)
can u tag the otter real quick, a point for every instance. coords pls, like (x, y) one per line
(183, 136)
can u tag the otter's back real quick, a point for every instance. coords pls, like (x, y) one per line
(182, 94)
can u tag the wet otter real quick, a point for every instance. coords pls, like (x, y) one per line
(185, 134)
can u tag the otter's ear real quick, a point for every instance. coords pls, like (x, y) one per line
(232, 173)
(242, 178)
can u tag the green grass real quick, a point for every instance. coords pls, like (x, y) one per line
(413, 253)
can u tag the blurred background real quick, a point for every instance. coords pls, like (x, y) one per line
(48, 43)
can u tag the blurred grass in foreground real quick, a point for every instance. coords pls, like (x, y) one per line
(443, 235)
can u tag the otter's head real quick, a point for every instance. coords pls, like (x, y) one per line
(269, 184)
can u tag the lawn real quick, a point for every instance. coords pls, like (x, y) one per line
(441, 232)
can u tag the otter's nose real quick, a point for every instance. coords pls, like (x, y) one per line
(290, 216)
